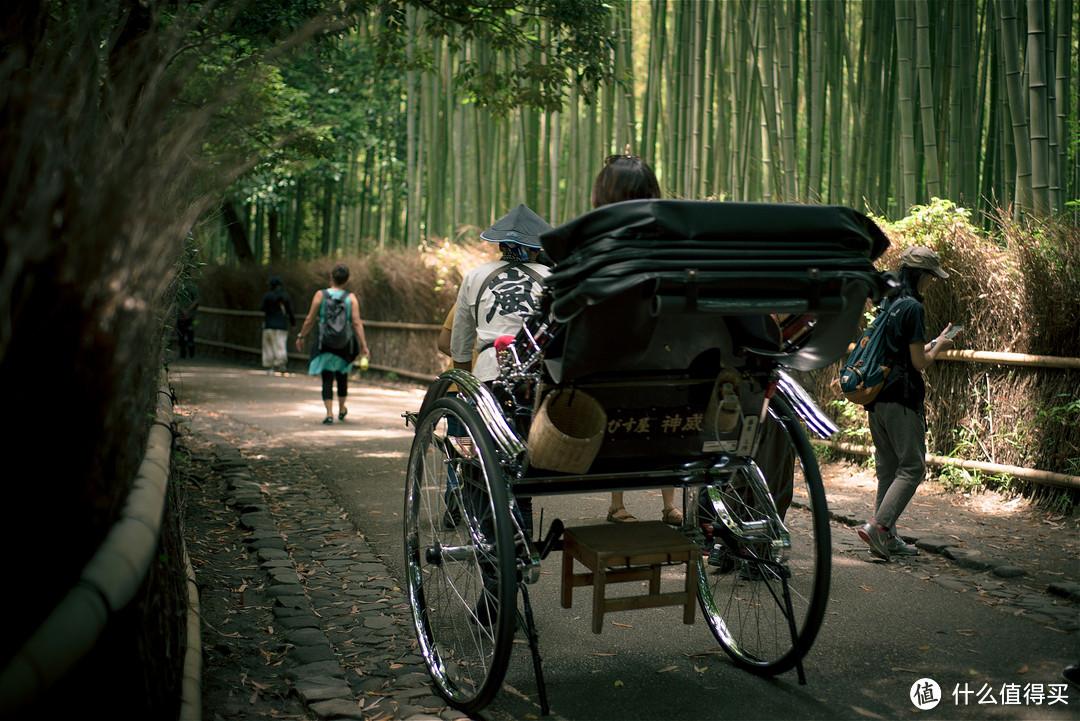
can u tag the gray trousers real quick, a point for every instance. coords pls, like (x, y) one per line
(899, 435)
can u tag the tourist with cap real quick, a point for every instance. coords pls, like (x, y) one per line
(897, 416)
(495, 298)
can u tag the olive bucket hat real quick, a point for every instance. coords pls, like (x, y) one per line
(924, 258)
(521, 225)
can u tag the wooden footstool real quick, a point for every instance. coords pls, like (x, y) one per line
(615, 553)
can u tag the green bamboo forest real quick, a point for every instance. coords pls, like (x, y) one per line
(878, 105)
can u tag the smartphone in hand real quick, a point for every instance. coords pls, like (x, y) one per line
(953, 331)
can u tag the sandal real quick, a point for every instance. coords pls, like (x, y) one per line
(672, 516)
(328, 420)
(341, 416)
(619, 515)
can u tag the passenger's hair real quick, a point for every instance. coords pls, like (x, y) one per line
(909, 283)
(340, 274)
(624, 177)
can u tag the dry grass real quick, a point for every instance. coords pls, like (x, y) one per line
(400, 285)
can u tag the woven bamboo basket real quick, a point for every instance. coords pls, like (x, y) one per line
(567, 431)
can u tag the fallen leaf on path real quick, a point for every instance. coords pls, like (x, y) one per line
(622, 625)
(866, 588)
(1023, 670)
(619, 683)
(668, 668)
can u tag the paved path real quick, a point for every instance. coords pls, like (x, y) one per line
(341, 638)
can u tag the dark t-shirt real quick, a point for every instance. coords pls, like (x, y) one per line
(906, 325)
(278, 309)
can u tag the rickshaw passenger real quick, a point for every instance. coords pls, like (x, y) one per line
(628, 177)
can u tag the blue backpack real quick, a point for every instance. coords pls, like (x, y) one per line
(865, 370)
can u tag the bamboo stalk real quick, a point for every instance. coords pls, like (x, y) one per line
(1049, 478)
(1012, 359)
(1015, 359)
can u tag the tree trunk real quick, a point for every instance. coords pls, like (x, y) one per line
(237, 231)
(927, 98)
(412, 139)
(905, 32)
(1010, 48)
(1039, 129)
(273, 233)
(327, 217)
(1066, 157)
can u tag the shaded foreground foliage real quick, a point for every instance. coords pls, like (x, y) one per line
(94, 217)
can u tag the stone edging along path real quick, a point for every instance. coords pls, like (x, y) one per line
(344, 623)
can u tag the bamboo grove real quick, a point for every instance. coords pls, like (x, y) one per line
(876, 104)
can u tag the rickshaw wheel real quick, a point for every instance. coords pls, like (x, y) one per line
(741, 585)
(459, 554)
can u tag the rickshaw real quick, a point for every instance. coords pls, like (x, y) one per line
(668, 330)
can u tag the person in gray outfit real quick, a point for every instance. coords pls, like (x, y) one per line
(897, 417)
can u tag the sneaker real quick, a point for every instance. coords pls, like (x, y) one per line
(899, 547)
(721, 559)
(877, 539)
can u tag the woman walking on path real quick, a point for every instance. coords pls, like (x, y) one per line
(333, 361)
(277, 308)
(897, 417)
